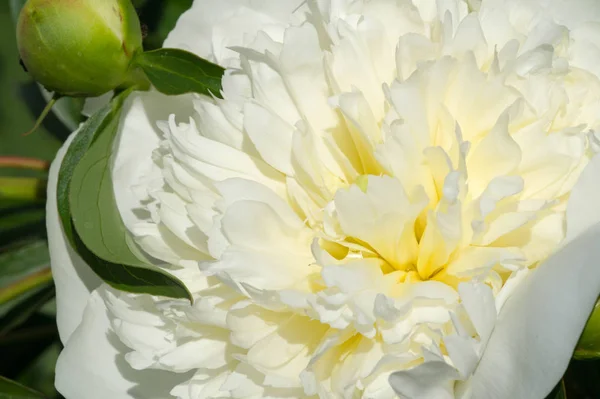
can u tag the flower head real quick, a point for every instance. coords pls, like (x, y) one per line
(380, 181)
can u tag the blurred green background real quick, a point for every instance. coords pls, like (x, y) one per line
(16, 117)
(29, 344)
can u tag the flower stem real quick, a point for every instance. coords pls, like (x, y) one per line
(44, 113)
(23, 163)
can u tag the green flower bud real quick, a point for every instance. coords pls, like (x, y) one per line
(79, 47)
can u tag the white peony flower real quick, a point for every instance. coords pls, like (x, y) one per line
(394, 197)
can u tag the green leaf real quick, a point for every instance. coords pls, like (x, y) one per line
(140, 280)
(582, 379)
(23, 261)
(559, 391)
(588, 346)
(90, 216)
(12, 390)
(20, 222)
(76, 151)
(174, 72)
(24, 271)
(93, 208)
(26, 307)
(40, 374)
(161, 17)
(25, 188)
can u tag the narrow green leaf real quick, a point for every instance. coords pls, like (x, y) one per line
(24, 271)
(559, 391)
(24, 285)
(23, 261)
(90, 216)
(40, 373)
(588, 347)
(25, 188)
(174, 72)
(20, 313)
(21, 222)
(13, 390)
(10, 205)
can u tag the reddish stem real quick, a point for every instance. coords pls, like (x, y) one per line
(23, 163)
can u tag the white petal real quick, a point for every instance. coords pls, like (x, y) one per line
(271, 135)
(138, 137)
(73, 278)
(540, 324)
(211, 27)
(263, 250)
(568, 13)
(92, 365)
(583, 209)
(433, 379)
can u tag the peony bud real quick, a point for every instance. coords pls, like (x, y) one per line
(79, 47)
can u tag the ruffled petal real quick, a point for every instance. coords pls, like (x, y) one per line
(134, 170)
(93, 366)
(539, 325)
(211, 27)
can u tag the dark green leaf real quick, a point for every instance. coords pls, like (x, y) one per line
(133, 278)
(160, 17)
(559, 391)
(12, 390)
(40, 374)
(93, 208)
(8, 206)
(588, 346)
(22, 188)
(90, 216)
(14, 225)
(23, 262)
(25, 308)
(24, 272)
(49, 308)
(174, 71)
(582, 379)
(76, 151)
(20, 220)
(138, 3)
